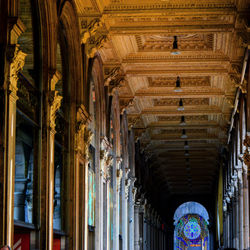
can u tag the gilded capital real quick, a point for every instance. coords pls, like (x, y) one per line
(82, 119)
(16, 60)
(91, 30)
(53, 97)
(88, 134)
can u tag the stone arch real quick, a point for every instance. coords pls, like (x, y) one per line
(68, 20)
(190, 207)
(98, 78)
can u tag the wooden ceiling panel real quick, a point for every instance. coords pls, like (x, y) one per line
(207, 58)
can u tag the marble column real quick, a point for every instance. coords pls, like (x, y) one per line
(144, 227)
(54, 104)
(125, 191)
(131, 197)
(14, 64)
(98, 188)
(82, 140)
(241, 213)
(117, 174)
(108, 162)
(246, 207)
(137, 233)
(236, 217)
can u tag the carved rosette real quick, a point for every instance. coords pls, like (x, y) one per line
(54, 98)
(246, 156)
(16, 60)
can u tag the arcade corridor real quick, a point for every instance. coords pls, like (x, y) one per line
(124, 124)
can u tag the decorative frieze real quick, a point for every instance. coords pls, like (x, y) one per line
(186, 102)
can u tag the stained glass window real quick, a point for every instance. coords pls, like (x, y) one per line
(91, 187)
(192, 230)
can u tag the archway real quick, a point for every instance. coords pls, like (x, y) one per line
(191, 222)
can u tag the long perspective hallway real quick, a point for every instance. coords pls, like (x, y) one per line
(124, 124)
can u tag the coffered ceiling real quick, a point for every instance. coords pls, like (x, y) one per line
(139, 37)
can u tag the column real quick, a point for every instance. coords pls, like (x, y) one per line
(106, 237)
(241, 214)
(117, 182)
(246, 158)
(144, 227)
(82, 140)
(246, 207)
(137, 233)
(131, 197)
(14, 64)
(125, 211)
(236, 217)
(54, 101)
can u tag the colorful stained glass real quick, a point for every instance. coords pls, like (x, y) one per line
(192, 230)
(91, 199)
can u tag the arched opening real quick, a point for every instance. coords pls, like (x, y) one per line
(191, 221)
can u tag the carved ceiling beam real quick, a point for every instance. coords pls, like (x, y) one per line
(206, 125)
(209, 138)
(165, 112)
(170, 30)
(184, 94)
(164, 58)
(182, 72)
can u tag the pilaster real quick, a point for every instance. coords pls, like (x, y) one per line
(80, 216)
(14, 64)
(54, 103)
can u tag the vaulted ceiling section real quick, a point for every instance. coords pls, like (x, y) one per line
(183, 132)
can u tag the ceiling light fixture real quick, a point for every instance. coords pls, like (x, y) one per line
(178, 85)
(183, 136)
(186, 146)
(180, 108)
(175, 47)
(183, 123)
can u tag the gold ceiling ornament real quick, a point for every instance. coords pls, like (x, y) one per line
(94, 44)
(90, 29)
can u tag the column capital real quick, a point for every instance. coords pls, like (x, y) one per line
(54, 98)
(16, 59)
(90, 29)
(88, 134)
(119, 177)
(134, 191)
(82, 120)
(127, 185)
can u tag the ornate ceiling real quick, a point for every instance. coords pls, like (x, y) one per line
(135, 40)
